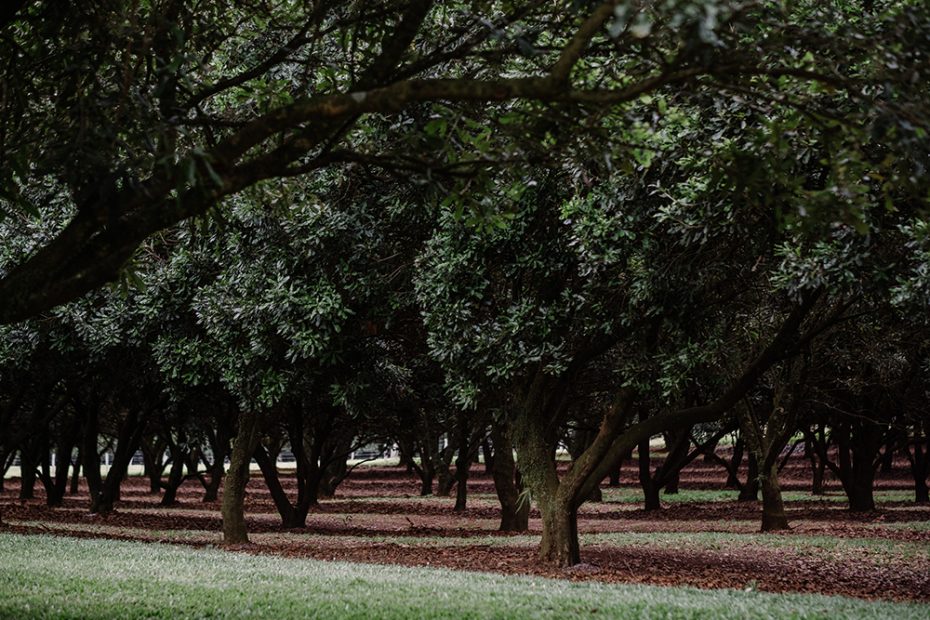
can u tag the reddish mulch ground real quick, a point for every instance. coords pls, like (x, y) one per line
(378, 517)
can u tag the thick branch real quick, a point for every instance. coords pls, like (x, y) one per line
(710, 412)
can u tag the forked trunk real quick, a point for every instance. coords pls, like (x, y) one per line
(130, 435)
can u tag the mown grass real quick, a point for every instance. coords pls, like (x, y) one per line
(881, 550)
(51, 577)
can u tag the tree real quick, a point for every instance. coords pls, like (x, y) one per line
(191, 104)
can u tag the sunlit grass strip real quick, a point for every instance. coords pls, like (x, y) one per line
(49, 577)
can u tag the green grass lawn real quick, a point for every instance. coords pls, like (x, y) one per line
(50, 577)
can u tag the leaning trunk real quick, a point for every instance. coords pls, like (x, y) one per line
(736, 460)
(175, 479)
(128, 442)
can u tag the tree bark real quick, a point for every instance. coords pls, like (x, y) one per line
(515, 506)
(130, 436)
(650, 489)
(219, 442)
(773, 508)
(559, 545)
(292, 517)
(175, 477)
(27, 474)
(920, 466)
(750, 490)
(736, 461)
(461, 481)
(152, 464)
(233, 507)
(861, 496)
(75, 474)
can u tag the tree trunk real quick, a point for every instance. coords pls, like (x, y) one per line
(444, 482)
(427, 473)
(333, 475)
(462, 465)
(750, 491)
(650, 489)
(861, 498)
(920, 467)
(615, 475)
(75, 474)
(559, 545)
(56, 493)
(175, 478)
(888, 458)
(130, 436)
(736, 461)
(488, 456)
(153, 466)
(217, 469)
(27, 474)
(89, 450)
(290, 518)
(515, 508)
(921, 491)
(773, 508)
(233, 508)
